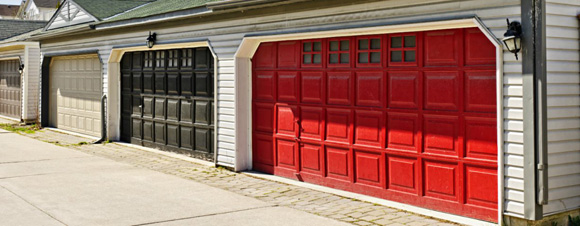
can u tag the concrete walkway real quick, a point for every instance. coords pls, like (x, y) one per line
(46, 184)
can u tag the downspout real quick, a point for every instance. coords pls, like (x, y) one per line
(534, 108)
(103, 120)
(541, 101)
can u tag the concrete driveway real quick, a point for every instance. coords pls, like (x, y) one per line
(44, 184)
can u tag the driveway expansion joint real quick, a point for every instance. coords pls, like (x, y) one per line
(206, 215)
(32, 204)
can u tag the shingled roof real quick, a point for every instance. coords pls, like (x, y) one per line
(102, 9)
(161, 7)
(11, 28)
(46, 3)
(8, 10)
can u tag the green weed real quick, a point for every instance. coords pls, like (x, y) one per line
(28, 129)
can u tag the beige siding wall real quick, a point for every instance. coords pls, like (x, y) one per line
(225, 37)
(563, 65)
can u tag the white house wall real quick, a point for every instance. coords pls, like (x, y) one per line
(225, 38)
(563, 67)
(31, 84)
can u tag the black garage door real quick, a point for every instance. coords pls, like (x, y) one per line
(167, 100)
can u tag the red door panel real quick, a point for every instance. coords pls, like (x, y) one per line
(289, 54)
(441, 180)
(480, 139)
(368, 168)
(312, 87)
(339, 88)
(441, 90)
(369, 89)
(312, 123)
(402, 174)
(442, 48)
(481, 185)
(478, 49)
(403, 132)
(286, 120)
(479, 87)
(440, 135)
(408, 117)
(338, 125)
(264, 117)
(288, 86)
(286, 152)
(264, 85)
(338, 163)
(404, 90)
(310, 158)
(263, 152)
(368, 128)
(265, 57)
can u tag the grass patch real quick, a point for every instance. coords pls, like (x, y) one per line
(15, 128)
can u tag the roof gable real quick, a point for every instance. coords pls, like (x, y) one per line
(69, 13)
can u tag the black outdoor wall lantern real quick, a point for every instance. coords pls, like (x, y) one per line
(20, 66)
(512, 37)
(151, 40)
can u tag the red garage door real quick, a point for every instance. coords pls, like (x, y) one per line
(407, 117)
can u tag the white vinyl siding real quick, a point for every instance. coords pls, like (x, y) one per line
(31, 84)
(563, 66)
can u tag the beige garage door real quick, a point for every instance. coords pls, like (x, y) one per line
(10, 89)
(75, 94)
